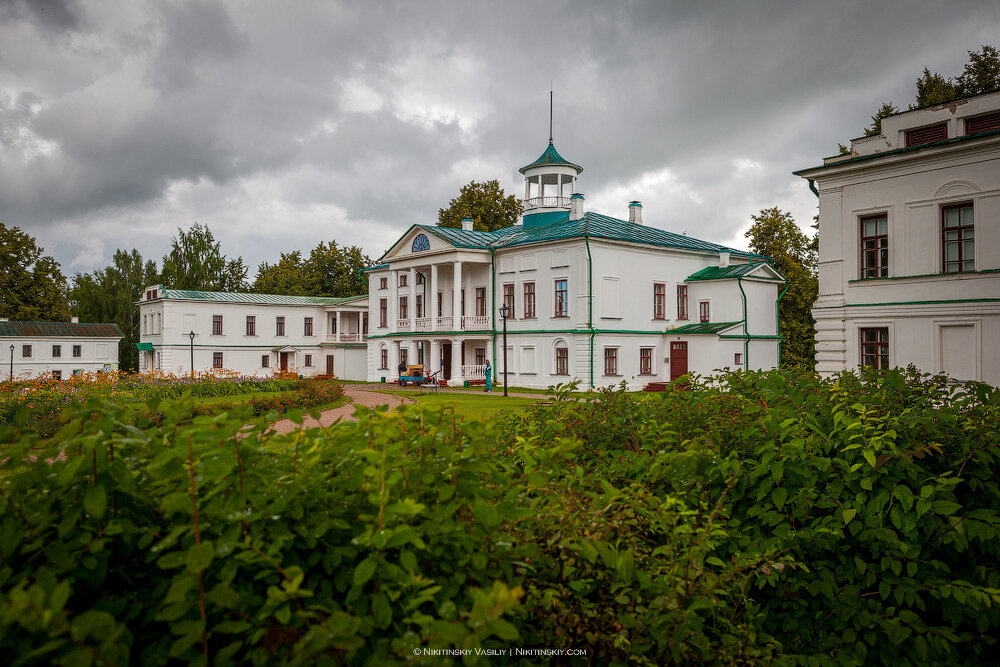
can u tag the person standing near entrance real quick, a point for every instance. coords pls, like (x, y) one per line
(488, 372)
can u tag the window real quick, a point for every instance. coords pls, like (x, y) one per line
(383, 283)
(216, 325)
(57, 376)
(659, 301)
(611, 361)
(279, 326)
(216, 360)
(646, 360)
(26, 351)
(562, 361)
(383, 359)
(562, 298)
(308, 360)
(402, 280)
(958, 237)
(875, 246)
(364, 324)
(251, 325)
(420, 305)
(383, 312)
(875, 347)
(481, 301)
(703, 311)
(265, 360)
(56, 351)
(77, 351)
(420, 279)
(463, 302)
(982, 123)
(333, 324)
(77, 372)
(529, 300)
(682, 302)
(480, 356)
(402, 308)
(440, 301)
(927, 135)
(307, 326)
(403, 356)
(738, 359)
(508, 298)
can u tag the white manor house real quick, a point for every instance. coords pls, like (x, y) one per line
(590, 298)
(909, 244)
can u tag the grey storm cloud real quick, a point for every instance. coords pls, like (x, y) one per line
(283, 124)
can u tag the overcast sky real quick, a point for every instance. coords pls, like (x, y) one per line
(281, 124)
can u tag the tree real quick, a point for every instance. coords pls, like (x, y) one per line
(336, 270)
(981, 73)
(887, 109)
(196, 262)
(488, 206)
(109, 295)
(932, 88)
(330, 270)
(775, 234)
(32, 285)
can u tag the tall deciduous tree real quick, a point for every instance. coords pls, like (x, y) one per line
(486, 203)
(32, 285)
(109, 294)
(330, 270)
(196, 262)
(775, 234)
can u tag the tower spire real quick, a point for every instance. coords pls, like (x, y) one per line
(550, 114)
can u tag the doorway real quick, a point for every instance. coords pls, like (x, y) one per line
(446, 355)
(678, 360)
(283, 362)
(329, 365)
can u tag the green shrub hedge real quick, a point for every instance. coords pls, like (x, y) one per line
(765, 517)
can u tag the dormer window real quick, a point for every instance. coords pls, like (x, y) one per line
(982, 123)
(927, 135)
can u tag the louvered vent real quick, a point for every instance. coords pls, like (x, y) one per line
(982, 123)
(926, 135)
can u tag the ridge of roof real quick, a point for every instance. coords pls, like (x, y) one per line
(81, 329)
(551, 156)
(249, 297)
(727, 272)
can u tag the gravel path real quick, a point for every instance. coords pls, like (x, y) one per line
(358, 396)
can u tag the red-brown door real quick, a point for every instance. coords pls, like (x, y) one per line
(678, 360)
(283, 361)
(329, 364)
(446, 354)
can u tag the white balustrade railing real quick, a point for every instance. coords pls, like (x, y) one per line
(349, 338)
(403, 324)
(475, 323)
(473, 371)
(537, 202)
(444, 323)
(423, 324)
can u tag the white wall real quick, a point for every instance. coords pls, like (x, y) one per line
(96, 354)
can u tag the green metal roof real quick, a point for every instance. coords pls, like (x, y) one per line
(461, 238)
(728, 272)
(384, 265)
(144, 347)
(79, 329)
(702, 328)
(551, 156)
(244, 297)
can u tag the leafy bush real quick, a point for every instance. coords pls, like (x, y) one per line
(756, 518)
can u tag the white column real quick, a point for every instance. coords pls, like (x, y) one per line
(393, 303)
(432, 306)
(456, 298)
(411, 356)
(456, 363)
(394, 359)
(435, 358)
(412, 306)
(340, 327)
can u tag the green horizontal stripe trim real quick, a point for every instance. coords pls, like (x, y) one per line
(924, 275)
(754, 337)
(907, 303)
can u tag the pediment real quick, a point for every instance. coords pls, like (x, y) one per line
(414, 242)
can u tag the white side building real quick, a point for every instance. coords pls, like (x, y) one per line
(252, 334)
(57, 349)
(592, 298)
(909, 244)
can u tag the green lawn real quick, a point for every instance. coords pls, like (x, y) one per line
(470, 405)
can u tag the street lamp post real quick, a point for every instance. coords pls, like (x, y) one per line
(191, 336)
(504, 314)
(12, 363)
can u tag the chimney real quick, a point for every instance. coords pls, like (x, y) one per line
(576, 206)
(635, 212)
(723, 260)
(467, 224)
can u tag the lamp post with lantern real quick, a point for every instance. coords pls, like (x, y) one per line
(504, 314)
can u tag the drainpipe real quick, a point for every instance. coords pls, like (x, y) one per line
(590, 306)
(746, 332)
(812, 186)
(493, 310)
(777, 321)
